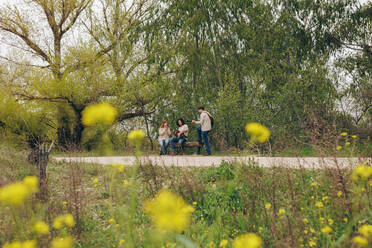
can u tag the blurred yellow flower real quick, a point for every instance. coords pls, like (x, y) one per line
(319, 204)
(344, 134)
(64, 242)
(360, 241)
(136, 137)
(339, 193)
(32, 183)
(169, 211)
(119, 167)
(248, 240)
(16, 193)
(306, 220)
(312, 230)
(324, 198)
(223, 243)
(111, 221)
(41, 227)
(99, 113)
(122, 241)
(362, 171)
(259, 133)
(61, 220)
(95, 180)
(321, 219)
(354, 136)
(194, 203)
(29, 244)
(345, 219)
(127, 183)
(64, 203)
(268, 205)
(326, 230)
(330, 221)
(338, 148)
(314, 184)
(312, 243)
(305, 232)
(347, 143)
(366, 230)
(281, 211)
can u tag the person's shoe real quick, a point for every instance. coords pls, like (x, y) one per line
(172, 153)
(206, 154)
(181, 153)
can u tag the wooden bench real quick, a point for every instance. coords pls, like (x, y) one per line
(190, 144)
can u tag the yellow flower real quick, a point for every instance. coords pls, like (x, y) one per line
(305, 232)
(95, 180)
(344, 134)
(326, 230)
(268, 205)
(314, 184)
(61, 220)
(360, 241)
(223, 243)
(321, 219)
(324, 198)
(136, 137)
(312, 230)
(41, 227)
(111, 221)
(338, 148)
(169, 211)
(248, 240)
(339, 193)
(69, 220)
(366, 230)
(345, 219)
(347, 143)
(362, 171)
(194, 203)
(119, 167)
(29, 244)
(281, 211)
(127, 183)
(330, 221)
(312, 243)
(306, 220)
(122, 241)
(64, 203)
(99, 113)
(32, 183)
(319, 204)
(15, 193)
(64, 242)
(354, 136)
(259, 133)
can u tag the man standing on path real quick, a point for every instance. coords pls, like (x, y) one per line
(204, 128)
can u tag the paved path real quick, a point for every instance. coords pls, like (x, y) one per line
(309, 162)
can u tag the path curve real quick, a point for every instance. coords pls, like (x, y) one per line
(292, 162)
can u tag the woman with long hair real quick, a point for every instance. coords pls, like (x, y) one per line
(164, 133)
(181, 136)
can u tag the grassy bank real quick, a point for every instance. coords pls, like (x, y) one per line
(284, 207)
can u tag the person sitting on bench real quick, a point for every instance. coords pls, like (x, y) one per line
(164, 133)
(180, 136)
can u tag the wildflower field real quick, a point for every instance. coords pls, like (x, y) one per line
(230, 205)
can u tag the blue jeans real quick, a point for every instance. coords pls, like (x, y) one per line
(204, 135)
(164, 144)
(173, 142)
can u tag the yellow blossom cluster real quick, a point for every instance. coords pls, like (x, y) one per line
(99, 113)
(18, 244)
(362, 172)
(62, 242)
(248, 240)
(168, 211)
(40, 227)
(136, 137)
(16, 193)
(60, 221)
(119, 167)
(259, 133)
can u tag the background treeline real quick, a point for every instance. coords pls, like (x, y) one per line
(303, 68)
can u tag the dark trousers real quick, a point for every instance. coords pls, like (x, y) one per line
(203, 136)
(173, 142)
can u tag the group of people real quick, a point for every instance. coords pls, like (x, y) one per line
(182, 133)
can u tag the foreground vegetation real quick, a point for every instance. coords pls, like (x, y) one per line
(283, 207)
